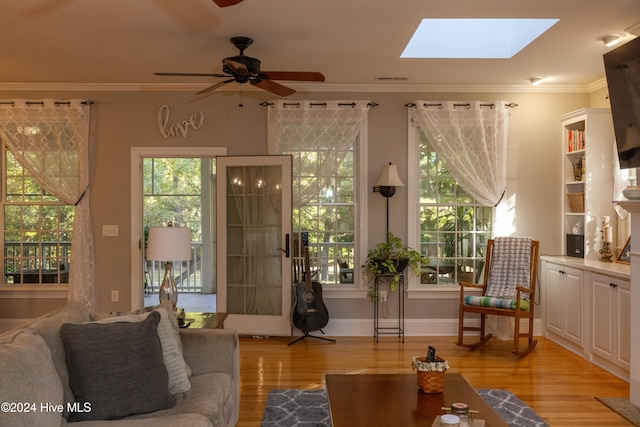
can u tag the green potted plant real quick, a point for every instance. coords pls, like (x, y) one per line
(390, 257)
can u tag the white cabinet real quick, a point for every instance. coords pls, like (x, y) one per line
(587, 181)
(610, 323)
(586, 308)
(563, 305)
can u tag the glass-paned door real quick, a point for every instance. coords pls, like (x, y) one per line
(254, 229)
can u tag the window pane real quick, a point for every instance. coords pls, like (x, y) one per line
(328, 216)
(454, 228)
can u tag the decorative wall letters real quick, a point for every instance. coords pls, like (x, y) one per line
(195, 122)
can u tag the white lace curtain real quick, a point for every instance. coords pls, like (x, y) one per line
(50, 139)
(471, 140)
(306, 128)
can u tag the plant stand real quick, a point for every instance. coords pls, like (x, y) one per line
(388, 330)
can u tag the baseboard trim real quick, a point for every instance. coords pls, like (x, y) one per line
(412, 327)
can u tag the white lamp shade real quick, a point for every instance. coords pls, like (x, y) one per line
(169, 244)
(389, 177)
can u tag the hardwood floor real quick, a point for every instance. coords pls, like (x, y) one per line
(560, 386)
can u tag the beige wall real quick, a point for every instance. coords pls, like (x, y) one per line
(121, 120)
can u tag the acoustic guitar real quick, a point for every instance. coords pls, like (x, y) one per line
(309, 312)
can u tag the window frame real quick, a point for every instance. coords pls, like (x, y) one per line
(358, 288)
(414, 288)
(39, 289)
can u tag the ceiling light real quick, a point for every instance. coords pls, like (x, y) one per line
(611, 39)
(536, 80)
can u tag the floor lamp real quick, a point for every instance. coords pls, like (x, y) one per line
(169, 244)
(387, 184)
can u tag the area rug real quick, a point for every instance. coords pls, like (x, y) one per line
(623, 407)
(310, 408)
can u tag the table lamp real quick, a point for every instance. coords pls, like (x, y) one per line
(169, 244)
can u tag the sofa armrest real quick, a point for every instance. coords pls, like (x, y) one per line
(211, 350)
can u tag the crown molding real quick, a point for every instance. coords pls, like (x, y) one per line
(382, 88)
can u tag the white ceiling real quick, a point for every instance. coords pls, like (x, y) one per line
(118, 44)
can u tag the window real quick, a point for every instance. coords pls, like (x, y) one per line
(329, 217)
(36, 228)
(453, 228)
(327, 141)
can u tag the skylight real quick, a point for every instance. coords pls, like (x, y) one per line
(474, 38)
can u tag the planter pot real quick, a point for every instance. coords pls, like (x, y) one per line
(400, 264)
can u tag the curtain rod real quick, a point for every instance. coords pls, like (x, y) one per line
(317, 104)
(12, 103)
(466, 105)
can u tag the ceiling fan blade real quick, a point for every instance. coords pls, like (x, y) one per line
(273, 87)
(192, 74)
(303, 76)
(214, 87)
(225, 3)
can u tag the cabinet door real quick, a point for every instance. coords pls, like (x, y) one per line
(602, 312)
(553, 298)
(571, 302)
(623, 318)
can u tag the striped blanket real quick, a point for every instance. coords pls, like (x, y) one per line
(510, 266)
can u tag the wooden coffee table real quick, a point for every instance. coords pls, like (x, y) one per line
(396, 400)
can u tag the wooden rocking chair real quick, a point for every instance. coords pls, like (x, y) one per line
(508, 289)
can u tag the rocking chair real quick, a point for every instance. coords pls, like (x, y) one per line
(508, 289)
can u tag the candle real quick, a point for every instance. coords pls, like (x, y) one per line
(608, 234)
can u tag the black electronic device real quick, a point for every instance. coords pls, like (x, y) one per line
(622, 68)
(431, 354)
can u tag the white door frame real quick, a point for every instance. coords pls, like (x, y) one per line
(137, 154)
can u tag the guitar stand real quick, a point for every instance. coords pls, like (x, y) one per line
(306, 334)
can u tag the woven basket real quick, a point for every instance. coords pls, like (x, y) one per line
(430, 381)
(576, 202)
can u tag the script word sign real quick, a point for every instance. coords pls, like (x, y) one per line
(181, 128)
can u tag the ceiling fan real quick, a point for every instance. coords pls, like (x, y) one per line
(243, 69)
(225, 3)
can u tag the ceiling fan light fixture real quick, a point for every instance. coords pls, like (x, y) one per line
(536, 80)
(611, 39)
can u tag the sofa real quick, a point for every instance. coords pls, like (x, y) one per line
(131, 370)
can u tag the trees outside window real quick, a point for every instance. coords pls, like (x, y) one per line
(36, 228)
(453, 226)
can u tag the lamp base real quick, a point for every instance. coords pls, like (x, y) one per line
(605, 251)
(168, 290)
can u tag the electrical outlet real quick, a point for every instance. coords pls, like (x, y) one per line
(115, 296)
(383, 296)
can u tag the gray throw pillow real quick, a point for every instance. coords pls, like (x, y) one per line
(116, 369)
(170, 341)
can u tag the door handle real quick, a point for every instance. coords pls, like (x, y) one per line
(287, 245)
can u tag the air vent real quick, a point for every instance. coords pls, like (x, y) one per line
(391, 78)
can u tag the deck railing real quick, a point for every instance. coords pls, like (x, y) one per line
(48, 262)
(36, 262)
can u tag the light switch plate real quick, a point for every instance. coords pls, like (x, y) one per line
(110, 230)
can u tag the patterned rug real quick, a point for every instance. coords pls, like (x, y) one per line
(623, 407)
(310, 408)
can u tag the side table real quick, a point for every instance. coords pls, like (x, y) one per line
(205, 320)
(386, 330)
